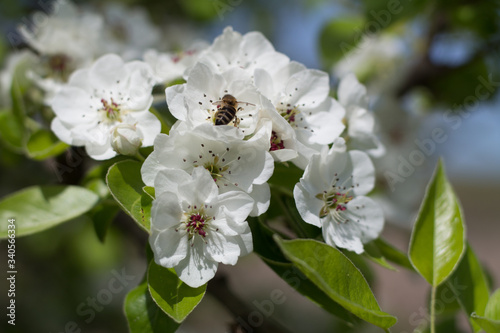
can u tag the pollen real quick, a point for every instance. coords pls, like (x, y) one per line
(276, 142)
(334, 203)
(290, 113)
(110, 109)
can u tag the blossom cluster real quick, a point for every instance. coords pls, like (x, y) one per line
(242, 108)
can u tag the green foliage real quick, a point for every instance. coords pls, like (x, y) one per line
(460, 95)
(438, 238)
(266, 247)
(165, 125)
(102, 216)
(339, 37)
(173, 296)
(203, 10)
(125, 184)
(390, 253)
(284, 177)
(11, 131)
(490, 322)
(43, 144)
(480, 17)
(337, 276)
(469, 285)
(143, 315)
(41, 207)
(373, 253)
(381, 14)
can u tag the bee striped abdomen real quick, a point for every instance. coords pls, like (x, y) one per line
(224, 115)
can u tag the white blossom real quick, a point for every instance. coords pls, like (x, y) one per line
(201, 97)
(360, 120)
(171, 66)
(129, 31)
(330, 195)
(68, 38)
(247, 52)
(234, 164)
(97, 99)
(194, 227)
(300, 96)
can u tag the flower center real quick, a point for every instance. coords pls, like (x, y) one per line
(334, 202)
(276, 142)
(179, 55)
(111, 110)
(290, 113)
(196, 225)
(59, 63)
(216, 171)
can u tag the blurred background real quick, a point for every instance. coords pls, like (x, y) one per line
(432, 70)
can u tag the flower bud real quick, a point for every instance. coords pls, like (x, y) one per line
(125, 139)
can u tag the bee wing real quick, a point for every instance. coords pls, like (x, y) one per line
(246, 103)
(218, 103)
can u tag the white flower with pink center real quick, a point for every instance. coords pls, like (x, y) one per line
(330, 195)
(234, 164)
(96, 100)
(194, 227)
(300, 96)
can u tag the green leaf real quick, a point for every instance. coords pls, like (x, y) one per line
(202, 10)
(373, 253)
(143, 315)
(340, 37)
(284, 178)
(125, 184)
(293, 218)
(149, 190)
(438, 238)
(43, 144)
(337, 276)
(102, 216)
(469, 285)
(490, 322)
(381, 14)
(17, 90)
(165, 127)
(297, 280)
(173, 296)
(493, 307)
(488, 325)
(392, 254)
(11, 132)
(41, 207)
(265, 246)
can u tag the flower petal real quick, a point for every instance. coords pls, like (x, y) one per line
(307, 204)
(196, 269)
(351, 92)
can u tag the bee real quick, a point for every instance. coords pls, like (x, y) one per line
(226, 110)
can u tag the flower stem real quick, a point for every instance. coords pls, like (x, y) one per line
(433, 309)
(139, 156)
